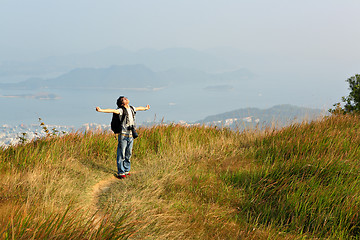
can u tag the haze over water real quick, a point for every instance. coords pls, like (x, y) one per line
(300, 52)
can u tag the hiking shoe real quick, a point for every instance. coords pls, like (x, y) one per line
(120, 176)
(127, 173)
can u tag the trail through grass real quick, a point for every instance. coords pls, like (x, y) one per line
(298, 182)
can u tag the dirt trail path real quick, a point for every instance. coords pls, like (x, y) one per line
(97, 190)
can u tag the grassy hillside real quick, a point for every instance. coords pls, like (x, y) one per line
(187, 183)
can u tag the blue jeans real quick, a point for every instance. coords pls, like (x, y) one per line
(124, 149)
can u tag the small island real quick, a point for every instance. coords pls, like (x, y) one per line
(38, 96)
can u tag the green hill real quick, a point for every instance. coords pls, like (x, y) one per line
(279, 115)
(298, 182)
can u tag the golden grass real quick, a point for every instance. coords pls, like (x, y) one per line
(186, 182)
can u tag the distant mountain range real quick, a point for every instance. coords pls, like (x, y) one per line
(156, 60)
(130, 77)
(279, 116)
(179, 84)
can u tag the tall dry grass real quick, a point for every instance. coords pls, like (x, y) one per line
(46, 187)
(187, 183)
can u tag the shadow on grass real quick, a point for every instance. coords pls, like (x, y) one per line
(93, 165)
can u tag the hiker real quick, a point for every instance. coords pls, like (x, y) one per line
(126, 132)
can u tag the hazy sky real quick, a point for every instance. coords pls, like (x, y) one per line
(319, 29)
(310, 40)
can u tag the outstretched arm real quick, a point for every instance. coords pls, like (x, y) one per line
(109, 110)
(142, 108)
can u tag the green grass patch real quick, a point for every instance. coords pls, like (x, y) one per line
(306, 180)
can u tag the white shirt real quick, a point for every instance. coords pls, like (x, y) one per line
(131, 121)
